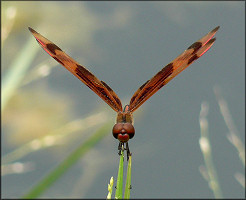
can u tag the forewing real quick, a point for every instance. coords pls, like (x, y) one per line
(195, 51)
(99, 87)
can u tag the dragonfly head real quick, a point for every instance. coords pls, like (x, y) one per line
(123, 131)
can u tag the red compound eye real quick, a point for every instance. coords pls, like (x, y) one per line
(123, 131)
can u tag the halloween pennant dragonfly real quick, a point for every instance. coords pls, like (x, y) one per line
(123, 130)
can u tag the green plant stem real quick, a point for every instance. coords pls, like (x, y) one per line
(118, 192)
(128, 179)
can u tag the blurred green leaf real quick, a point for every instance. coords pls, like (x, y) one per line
(17, 71)
(53, 176)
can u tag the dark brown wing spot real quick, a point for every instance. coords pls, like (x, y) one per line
(83, 71)
(161, 76)
(105, 84)
(166, 71)
(52, 47)
(84, 74)
(58, 60)
(192, 59)
(103, 92)
(117, 100)
(112, 92)
(143, 85)
(146, 90)
(195, 46)
(133, 98)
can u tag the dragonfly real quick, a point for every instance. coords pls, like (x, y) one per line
(124, 130)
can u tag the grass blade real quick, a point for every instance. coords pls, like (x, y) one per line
(207, 152)
(44, 184)
(233, 135)
(57, 136)
(17, 71)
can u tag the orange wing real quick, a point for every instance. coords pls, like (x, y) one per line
(99, 87)
(195, 51)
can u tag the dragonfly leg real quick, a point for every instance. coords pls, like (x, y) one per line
(120, 147)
